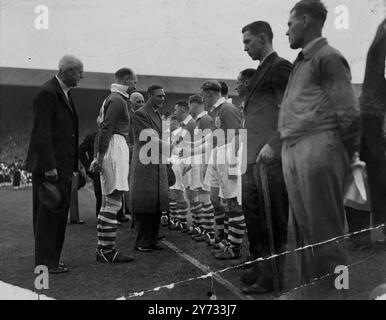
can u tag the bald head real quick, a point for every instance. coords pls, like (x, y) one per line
(70, 70)
(137, 100)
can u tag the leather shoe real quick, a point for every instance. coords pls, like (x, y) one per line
(112, 256)
(381, 242)
(58, 270)
(157, 248)
(250, 277)
(143, 249)
(255, 289)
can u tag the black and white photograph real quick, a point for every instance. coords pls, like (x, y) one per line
(194, 155)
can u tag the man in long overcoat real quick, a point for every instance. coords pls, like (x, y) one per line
(148, 182)
(53, 157)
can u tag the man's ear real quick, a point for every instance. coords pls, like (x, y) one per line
(262, 38)
(306, 20)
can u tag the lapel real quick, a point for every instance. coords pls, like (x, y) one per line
(60, 92)
(259, 77)
(73, 108)
(154, 118)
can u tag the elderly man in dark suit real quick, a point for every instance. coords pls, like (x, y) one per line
(148, 179)
(261, 111)
(53, 156)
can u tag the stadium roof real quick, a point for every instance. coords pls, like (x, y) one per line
(100, 81)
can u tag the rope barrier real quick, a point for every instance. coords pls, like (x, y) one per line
(238, 266)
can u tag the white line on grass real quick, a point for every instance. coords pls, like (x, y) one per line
(236, 291)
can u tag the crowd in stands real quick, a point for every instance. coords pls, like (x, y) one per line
(14, 174)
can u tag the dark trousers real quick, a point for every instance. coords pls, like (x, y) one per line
(255, 218)
(49, 227)
(373, 153)
(74, 202)
(97, 191)
(358, 220)
(146, 226)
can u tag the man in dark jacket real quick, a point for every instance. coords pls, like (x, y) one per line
(373, 107)
(261, 109)
(86, 156)
(53, 156)
(148, 178)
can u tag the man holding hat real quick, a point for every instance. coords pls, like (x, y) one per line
(53, 158)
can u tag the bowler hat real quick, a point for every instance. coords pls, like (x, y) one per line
(53, 196)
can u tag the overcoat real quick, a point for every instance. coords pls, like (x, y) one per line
(55, 135)
(149, 188)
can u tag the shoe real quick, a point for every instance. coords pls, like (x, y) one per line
(157, 248)
(256, 289)
(62, 265)
(220, 245)
(210, 240)
(112, 256)
(361, 247)
(143, 249)
(215, 240)
(201, 238)
(195, 231)
(231, 253)
(381, 242)
(161, 237)
(175, 226)
(77, 222)
(58, 270)
(250, 277)
(184, 228)
(191, 231)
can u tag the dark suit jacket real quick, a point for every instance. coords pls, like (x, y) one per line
(55, 133)
(149, 188)
(261, 109)
(86, 151)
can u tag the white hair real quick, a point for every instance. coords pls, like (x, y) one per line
(135, 95)
(68, 62)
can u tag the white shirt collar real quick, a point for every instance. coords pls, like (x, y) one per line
(201, 115)
(265, 58)
(187, 120)
(219, 103)
(64, 87)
